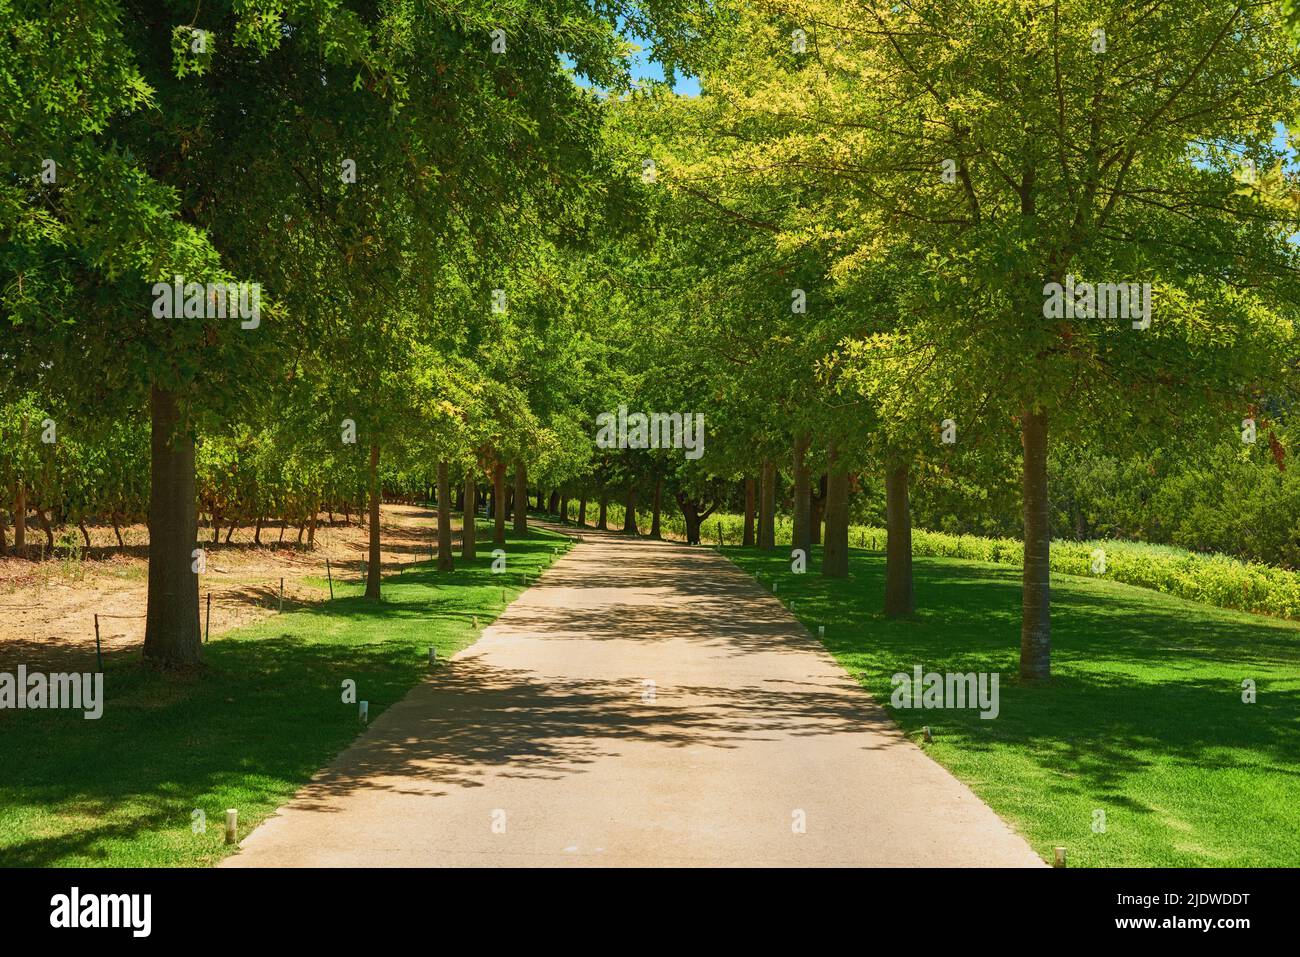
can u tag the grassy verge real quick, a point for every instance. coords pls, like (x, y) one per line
(1143, 719)
(268, 713)
(1219, 580)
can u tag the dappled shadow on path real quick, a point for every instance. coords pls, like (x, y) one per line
(472, 718)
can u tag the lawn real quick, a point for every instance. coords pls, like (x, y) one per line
(1143, 718)
(267, 714)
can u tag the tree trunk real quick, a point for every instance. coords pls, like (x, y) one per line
(171, 631)
(655, 530)
(818, 511)
(835, 555)
(43, 516)
(629, 514)
(582, 512)
(468, 545)
(541, 501)
(311, 530)
(603, 521)
(564, 509)
(802, 533)
(553, 504)
(446, 562)
(499, 503)
(375, 564)
(898, 542)
(1036, 608)
(748, 540)
(691, 516)
(521, 498)
(767, 507)
(20, 518)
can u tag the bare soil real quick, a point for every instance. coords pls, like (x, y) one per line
(48, 608)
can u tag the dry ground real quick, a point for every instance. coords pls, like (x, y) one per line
(47, 608)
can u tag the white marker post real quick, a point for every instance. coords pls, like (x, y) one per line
(232, 824)
(363, 712)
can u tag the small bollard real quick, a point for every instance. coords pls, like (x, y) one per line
(503, 596)
(929, 738)
(773, 586)
(473, 622)
(433, 657)
(363, 712)
(232, 824)
(821, 631)
(1058, 857)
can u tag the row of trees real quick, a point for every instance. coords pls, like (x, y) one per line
(398, 179)
(473, 236)
(863, 217)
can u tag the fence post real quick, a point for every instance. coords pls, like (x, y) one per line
(99, 658)
(207, 623)
(330, 576)
(281, 594)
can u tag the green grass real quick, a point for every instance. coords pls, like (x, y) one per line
(246, 734)
(1212, 579)
(1143, 718)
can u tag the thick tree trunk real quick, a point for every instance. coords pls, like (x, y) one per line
(446, 562)
(499, 503)
(311, 530)
(748, 539)
(171, 631)
(541, 501)
(521, 498)
(20, 518)
(553, 504)
(1036, 608)
(767, 507)
(802, 537)
(629, 513)
(582, 512)
(898, 542)
(603, 520)
(656, 531)
(564, 509)
(469, 525)
(374, 564)
(835, 555)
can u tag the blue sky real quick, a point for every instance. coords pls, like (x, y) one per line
(644, 68)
